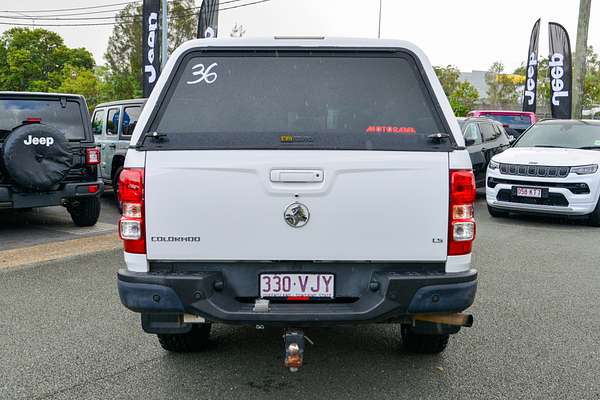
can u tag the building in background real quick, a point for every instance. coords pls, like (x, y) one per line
(477, 79)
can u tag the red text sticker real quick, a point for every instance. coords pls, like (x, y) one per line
(390, 129)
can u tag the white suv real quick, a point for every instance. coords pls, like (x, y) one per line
(551, 169)
(298, 182)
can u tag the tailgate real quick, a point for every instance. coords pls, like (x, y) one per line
(230, 205)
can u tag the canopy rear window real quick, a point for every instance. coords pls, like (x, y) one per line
(291, 100)
(65, 116)
(513, 121)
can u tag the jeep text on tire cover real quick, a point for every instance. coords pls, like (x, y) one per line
(44, 141)
(329, 183)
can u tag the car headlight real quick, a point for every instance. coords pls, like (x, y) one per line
(493, 165)
(585, 169)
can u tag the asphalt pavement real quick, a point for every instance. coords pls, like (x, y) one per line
(22, 228)
(65, 335)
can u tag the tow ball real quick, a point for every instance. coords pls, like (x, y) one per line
(293, 340)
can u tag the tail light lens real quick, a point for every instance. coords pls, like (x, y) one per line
(131, 224)
(92, 156)
(461, 222)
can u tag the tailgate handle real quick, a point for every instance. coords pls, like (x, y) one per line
(296, 175)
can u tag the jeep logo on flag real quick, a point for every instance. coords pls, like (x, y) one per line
(560, 71)
(557, 72)
(531, 76)
(150, 45)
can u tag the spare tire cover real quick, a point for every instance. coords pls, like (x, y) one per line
(37, 156)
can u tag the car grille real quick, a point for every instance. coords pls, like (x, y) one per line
(553, 199)
(575, 188)
(534, 170)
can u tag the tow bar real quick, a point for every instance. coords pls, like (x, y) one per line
(293, 340)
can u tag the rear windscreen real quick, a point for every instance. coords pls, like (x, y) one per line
(311, 101)
(513, 121)
(65, 117)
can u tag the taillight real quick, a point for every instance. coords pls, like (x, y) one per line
(461, 221)
(92, 156)
(131, 224)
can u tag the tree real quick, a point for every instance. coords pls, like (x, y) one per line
(124, 52)
(183, 23)
(462, 95)
(463, 99)
(591, 84)
(35, 59)
(449, 78)
(80, 81)
(502, 88)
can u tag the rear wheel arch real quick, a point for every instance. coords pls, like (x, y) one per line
(117, 163)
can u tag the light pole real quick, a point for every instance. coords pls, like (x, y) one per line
(579, 68)
(379, 27)
(165, 34)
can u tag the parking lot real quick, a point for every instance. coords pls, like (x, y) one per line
(536, 332)
(52, 224)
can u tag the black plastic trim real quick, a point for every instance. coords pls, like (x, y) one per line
(11, 199)
(396, 296)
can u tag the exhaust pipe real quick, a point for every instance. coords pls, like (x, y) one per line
(457, 319)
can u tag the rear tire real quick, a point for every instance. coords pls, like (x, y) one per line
(495, 213)
(115, 185)
(195, 340)
(423, 344)
(594, 217)
(86, 212)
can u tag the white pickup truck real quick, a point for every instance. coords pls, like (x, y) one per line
(297, 183)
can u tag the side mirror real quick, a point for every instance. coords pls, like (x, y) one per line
(469, 142)
(511, 139)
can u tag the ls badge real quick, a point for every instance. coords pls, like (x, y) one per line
(296, 215)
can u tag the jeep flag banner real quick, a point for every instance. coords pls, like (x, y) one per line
(208, 19)
(560, 71)
(150, 44)
(531, 72)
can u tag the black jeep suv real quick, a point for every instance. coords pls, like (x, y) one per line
(48, 156)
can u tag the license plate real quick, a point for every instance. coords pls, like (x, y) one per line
(529, 192)
(297, 285)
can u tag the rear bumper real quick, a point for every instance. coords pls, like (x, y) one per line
(12, 199)
(221, 295)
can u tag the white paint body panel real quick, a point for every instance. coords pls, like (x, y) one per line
(369, 206)
(458, 263)
(136, 262)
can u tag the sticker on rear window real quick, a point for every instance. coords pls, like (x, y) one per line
(204, 74)
(390, 129)
(295, 139)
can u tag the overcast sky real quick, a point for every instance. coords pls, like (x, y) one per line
(470, 34)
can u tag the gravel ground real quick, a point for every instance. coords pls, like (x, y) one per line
(65, 335)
